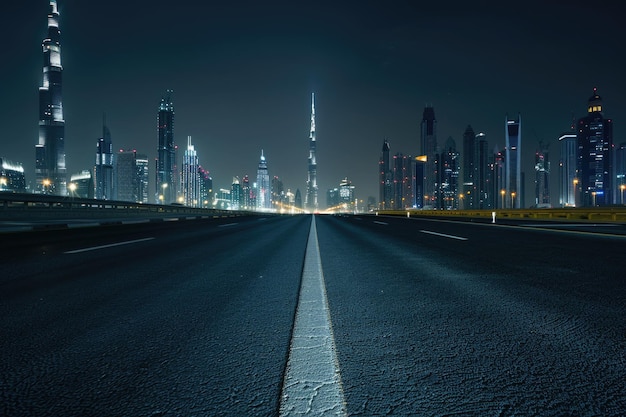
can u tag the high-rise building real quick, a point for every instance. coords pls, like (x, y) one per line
(278, 192)
(103, 170)
(542, 177)
(469, 170)
(166, 181)
(12, 177)
(513, 162)
(206, 187)
(126, 178)
(402, 184)
(81, 184)
(595, 170)
(245, 194)
(297, 200)
(499, 178)
(264, 194)
(568, 182)
(191, 177)
(235, 194)
(385, 178)
(483, 174)
(50, 170)
(620, 172)
(429, 150)
(449, 181)
(310, 199)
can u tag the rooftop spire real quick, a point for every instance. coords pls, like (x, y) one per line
(312, 135)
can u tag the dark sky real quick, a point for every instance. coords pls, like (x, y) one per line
(243, 71)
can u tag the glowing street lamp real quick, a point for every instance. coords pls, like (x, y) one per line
(513, 199)
(622, 188)
(502, 193)
(593, 196)
(72, 186)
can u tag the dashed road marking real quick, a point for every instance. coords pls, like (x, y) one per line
(444, 235)
(128, 242)
(312, 384)
(383, 223)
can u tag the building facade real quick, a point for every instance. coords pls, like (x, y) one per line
(166, 180)
(191, 177)
(595, 170)
(429, 150)
(50, 170)
(12, 177)
(264, 192)
(513, 162)
(103, 169)
(310, 199)
(568, 181)
(542, 177)
(385, 181)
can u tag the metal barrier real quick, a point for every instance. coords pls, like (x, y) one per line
(590, 214)
(14, 206)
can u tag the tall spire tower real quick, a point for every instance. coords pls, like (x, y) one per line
(50, 168)
(310, 201)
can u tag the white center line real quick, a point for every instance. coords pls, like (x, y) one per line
(128, 242)
(227, 224)
(377, 222)
(444, 235)
(312, 384)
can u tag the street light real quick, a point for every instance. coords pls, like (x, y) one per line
(622, 188)
(513, 199)
(593, 196)
(575, 182)
(502, 193)
(461, 196)
(72, 186)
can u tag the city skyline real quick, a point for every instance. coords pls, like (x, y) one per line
(242, 80)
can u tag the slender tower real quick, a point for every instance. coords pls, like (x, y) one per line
(310, 200)
(166, 152)
(50, 168)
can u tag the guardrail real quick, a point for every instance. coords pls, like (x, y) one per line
(14, 206)
(592, 214)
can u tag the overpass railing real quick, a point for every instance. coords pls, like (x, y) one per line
(590, 214)
(15, 206)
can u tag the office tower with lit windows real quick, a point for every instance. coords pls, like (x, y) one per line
(469, 169)
(82, 184)
(449, 176)
(206, 187)
(499, 178)
(310, 199)
(126, 178)
(402, 184)
(190, 177)
(595, 170)
(483, 178)
(542, 177)
(264, 194)
(235, 194)
(245, 193)
(50, 170)
(103, 170)
(12, 177)
(385, 193)
(278, 191)
(513, 162)
(620, 173)
(568, 182)
(166, 152)
(429, 150)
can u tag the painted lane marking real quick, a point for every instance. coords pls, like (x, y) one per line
(312, 384)
(228, 225)
(128, 242)
(444, 235)
(383, 223)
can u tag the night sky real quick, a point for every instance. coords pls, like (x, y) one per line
(243, 72)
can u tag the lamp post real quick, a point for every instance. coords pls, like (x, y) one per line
(575, 182)
(622, 188)
(162, 195)
(502, 193)
(593, 198)
(72, 186)
(513, 199)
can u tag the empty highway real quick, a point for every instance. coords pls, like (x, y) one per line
(282, 315)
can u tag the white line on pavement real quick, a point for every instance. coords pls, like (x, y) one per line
(227, 224)
(444, 235)
(128, 242)
(377, 222)
(312, 384)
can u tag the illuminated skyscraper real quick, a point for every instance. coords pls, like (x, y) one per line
(595, 156)
(542, 177)
(429, 150)
(568, 181)
(449, 176)
(50, 168)
(12, 177)
(131, 176)
(385, 180)
(166, 152)
(469, 170)
(235, 194)
(513, 162)
(263, 199)
(103, 169)
(191, 177)
(310, 199)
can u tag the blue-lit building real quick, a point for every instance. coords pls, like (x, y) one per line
(81, 185)
(385, 193)
(235, 194)
(595, 170)
(191, 177)
(12, 177)
(429, 150)
(50, 170)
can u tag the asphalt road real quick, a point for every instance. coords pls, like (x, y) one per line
(429, 317)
